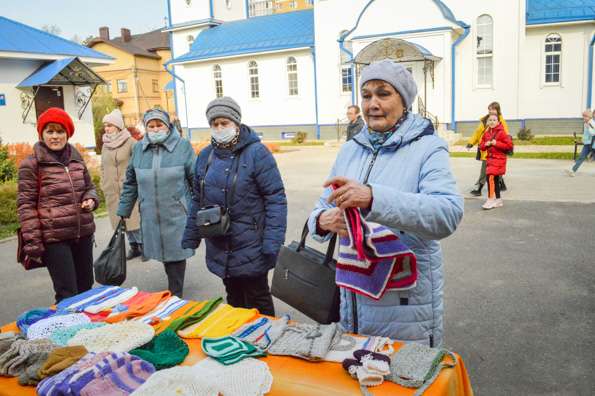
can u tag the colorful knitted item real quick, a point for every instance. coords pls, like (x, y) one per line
(139, 305)
(223, 321)
(26, 319)
(120, 382)
(164, 351)
(108, 303)
(417, 366)
(372, 259)
(190, 319)
(162, 311)
(45, 327)
(249, 377)
(92, 296)
(13, 362)
(117, 337)
(189, 309)
(229, 350)
(253, 331)
(30, 373)
(63, 335)
(60, 359)
(74, 379)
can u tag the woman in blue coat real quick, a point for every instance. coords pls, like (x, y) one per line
(159, 176)
(243, 177)
(410, 190)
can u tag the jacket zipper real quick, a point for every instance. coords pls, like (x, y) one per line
(353, 296)
(158, 215)
(78, 208)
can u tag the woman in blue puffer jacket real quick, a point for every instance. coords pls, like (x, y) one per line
(257, 207)
(410, 190)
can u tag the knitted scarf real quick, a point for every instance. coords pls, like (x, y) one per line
(377, 139)
(372, 259)
(114, 140)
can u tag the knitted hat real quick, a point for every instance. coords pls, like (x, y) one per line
(27, 318)
(120, 382)
(396, 75)
(30, 374)
(62, 336)
(118, 337)
(115, 118)
(13, 361)
(60, 359)
(58, 116)
(164, 351)
(229, 350)
(45, 327)
(156, 114)
(224, 107)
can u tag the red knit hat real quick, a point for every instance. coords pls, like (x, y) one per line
(57, 115)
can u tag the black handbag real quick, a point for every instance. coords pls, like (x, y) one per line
(305, 279)
(214, 220)
(110, 267)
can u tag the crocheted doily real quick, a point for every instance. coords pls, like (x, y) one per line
(118, 337)
(45, 327)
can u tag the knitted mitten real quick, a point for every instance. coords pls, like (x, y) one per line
(30, 375)
(374, 362)
(360, 373)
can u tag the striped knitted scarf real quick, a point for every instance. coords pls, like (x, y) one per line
(372, 259)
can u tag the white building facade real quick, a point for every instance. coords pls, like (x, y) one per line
(299, 71)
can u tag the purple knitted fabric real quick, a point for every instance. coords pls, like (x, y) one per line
(122, 381)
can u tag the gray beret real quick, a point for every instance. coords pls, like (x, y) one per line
(156, 114)
(396, 75)
(224, 107)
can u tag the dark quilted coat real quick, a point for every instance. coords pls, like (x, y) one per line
(258, 211)
(49, 199)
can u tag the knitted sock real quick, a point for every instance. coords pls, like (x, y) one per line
(122, 381)
(164, 351)
(376, 363)
(60, 359)
(30, 375)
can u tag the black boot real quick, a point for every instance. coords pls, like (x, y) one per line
(477, 191)
(136, 250)
(502, 185)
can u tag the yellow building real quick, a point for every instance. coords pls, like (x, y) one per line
(137, 78)
(282, 6)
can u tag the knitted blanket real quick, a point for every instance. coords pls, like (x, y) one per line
(372, 259)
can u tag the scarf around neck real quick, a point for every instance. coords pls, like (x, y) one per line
(377, 139)
(115, 140)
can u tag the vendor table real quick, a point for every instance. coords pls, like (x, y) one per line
(296, 377)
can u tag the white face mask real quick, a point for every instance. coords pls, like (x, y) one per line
(224, 135)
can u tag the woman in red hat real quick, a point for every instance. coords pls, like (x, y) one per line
(55, 202)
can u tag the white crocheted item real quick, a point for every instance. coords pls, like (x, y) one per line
(118, 337)
(249, 377)
(45, 327)
(112, 302)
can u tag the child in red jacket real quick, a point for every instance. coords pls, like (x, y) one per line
(498, 144)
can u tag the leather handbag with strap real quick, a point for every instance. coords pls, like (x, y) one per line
(305, 279)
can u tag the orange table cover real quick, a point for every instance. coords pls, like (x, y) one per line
(292, 376)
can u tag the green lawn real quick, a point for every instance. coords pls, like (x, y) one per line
(560, 156)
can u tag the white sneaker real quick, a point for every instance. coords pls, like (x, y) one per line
(570, 173)
(498, 203)
(489, 204)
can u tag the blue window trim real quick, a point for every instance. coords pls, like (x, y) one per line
(590, 74)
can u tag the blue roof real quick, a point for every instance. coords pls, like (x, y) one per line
(556, 11)
(18, 37)
(57, 72)
(253, 35)
(46, 73)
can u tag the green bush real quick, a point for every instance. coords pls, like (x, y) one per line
(525, 134)
(8, 169)
(9, 221)
(96, 178)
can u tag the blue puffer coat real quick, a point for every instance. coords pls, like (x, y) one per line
(414, 194)
(160, 177)
(258, 211)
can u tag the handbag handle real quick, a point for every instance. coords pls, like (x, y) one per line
(330, 251)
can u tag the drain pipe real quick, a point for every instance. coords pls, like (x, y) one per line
(590, 73)
(453, 48)
(174, 75)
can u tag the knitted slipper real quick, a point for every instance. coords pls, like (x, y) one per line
(374, 362)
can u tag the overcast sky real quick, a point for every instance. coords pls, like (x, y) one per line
(84, 17)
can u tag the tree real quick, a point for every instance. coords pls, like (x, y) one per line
(103, 103)
(87, 40)
(52, 29)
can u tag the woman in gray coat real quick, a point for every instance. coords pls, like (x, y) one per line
(159, 176)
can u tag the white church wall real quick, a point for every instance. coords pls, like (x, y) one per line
(273, 107)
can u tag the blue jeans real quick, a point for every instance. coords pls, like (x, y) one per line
(134, 237)
(582, 157)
